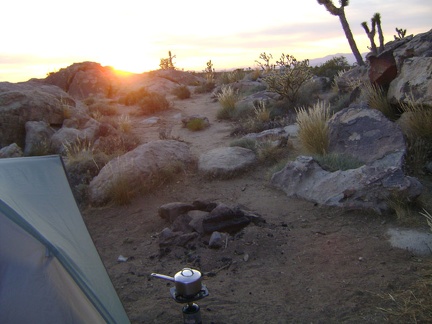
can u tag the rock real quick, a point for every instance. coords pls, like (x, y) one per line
(170, 238)
(414, 82)
(419, 45)
(196, 222)
(226, 162)
(367, 187)
(356, 75)
(366, 135)
(20, 103)
(224, 219)
(38, 137)
(65, 136)
(86, 79)
(382, 69)
(276, 136)
(171, 211)
(204, 205)
(217, 240)
(139, 166)
(181, 224)
(11, 151)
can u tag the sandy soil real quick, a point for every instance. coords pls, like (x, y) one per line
(307, 264)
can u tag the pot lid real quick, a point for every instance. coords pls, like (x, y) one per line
(187, 275)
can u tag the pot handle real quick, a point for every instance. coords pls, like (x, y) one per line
(160, 276)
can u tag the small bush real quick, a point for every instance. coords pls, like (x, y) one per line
(134, 97)
(333, 162)
(313, 128)
(182, 92)
(231, 77)
(247, 143)
(43, 147)
(205, 87)
(332, 67)
(228, 99)
(270, 154)
(120, 191)
(153, 102)
(196, 124)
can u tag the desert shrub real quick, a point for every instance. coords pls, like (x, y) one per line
(153, 102)
(287, 79)
(167, 63)
(331, 68)
(228, 98)
(116, 145)
(78, 150)
(417, 126)
(42, 147)
(269, 153)
(376, 98)
(261, 112)
(255, 74)
(308, 93)
(247, 143)
(406, 210)
(313, 128)
(182, 92)
(340, 102)
(134, 97)
(333, 162)
(196, 124)
(205, 87)
(231, 77)
(124, 123)
(428, 217)
(103, 109)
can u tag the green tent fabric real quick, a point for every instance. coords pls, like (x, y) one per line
(50, 270)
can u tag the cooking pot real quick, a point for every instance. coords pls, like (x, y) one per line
(187, 281)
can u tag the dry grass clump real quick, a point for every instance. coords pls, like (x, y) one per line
(428, 217)
(231, 77)
(376, 98)
(417, 126)
(412, 305)
(124, 123)
(152, 103)
(269, 153)
(228, 99)
(134, 97)
(247, 143)
(313, 128)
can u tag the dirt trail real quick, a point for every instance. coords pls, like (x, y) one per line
(307, 264)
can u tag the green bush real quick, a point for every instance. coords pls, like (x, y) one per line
(196, 124)
(333, 162)
(331, 68)
(205, 87)
(287, 79)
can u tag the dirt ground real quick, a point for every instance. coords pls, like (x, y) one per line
(306, 264)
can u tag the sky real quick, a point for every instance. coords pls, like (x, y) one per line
(44, 36)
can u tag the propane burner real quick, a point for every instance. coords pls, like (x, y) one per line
(188, 288)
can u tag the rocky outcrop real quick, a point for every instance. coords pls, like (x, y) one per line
(226, 162)
(366, 135)
(414, 82)
(23, 102)
(139, 166)
(368, 187)
(10, 151)
(86, 79)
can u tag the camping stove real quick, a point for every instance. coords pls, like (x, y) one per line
(188, 289)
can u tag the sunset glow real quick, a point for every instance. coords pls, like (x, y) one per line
(134, 35)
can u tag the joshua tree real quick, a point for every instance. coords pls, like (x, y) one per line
(340, 12)
(400, 33)
(371, 35)
(377, 18)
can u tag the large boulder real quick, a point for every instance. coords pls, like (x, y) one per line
(23, 102)
(38, 137)
(414, 82)
(367, 135)
(367, 187)
(86, 79)
(139, 166)
(226, 162)
(10, 151)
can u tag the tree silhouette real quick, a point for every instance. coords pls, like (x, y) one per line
(377, 18)
(340, 12)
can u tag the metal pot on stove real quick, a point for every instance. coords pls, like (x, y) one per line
(187, 282)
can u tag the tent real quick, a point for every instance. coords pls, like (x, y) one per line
(50, 270)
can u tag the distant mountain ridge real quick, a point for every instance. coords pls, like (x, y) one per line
(349, 56)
